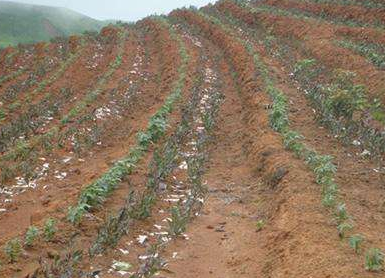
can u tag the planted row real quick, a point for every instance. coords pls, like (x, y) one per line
(96, 193)
(321, 165)
(14, 247)
(358, 16)
(25, 151)
(185, 153)
(372, 52)
(340, 104)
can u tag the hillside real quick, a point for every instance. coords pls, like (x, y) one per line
(241, 139)
(23, 23)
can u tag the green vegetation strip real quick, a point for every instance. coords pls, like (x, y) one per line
(25, 148)
(304, 15)
(337, 102)
(61, 70)
(370, 51)
(95, 194)
(165, 160)
(365, 3)
(321, 165)
(11, 76)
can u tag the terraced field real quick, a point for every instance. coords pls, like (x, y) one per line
(243, 139)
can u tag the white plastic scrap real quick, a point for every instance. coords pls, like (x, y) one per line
(172, 200)
(159, 227)
(186, 237)
(125, 252)
(141, 239)
(67, 159)
(183, 165)
(121, 267)
(60, 176)
(356, 143)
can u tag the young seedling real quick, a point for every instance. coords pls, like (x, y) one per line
(144, 140)
(178, 222)
(329, 199)
(260, 224)
(75, 214)
(341, 214)
(355, 242)
(143, 211)
(13, 249)
(374, 260)
(3, 115)
(50, 229)
(31, 236)
(291, 140)
(343, 228)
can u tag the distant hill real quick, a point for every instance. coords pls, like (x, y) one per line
(24, 23)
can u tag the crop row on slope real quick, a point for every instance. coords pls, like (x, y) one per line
(46, 58)
(177, 164)
(14, 58)
(143, 96)
(352, 16)
(265, 155)
(94, 195)
(168, 63)
(24, 151)
(325, 168)
(30, 120)
(372, 52)
(157, 125)
(334, 110)
(321, 27)
(99, 46)
(322, 166)
(30, 64)
(318, 40)
(364, 3)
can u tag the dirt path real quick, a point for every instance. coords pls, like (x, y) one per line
(222, 238)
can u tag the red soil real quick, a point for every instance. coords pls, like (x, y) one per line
(251, 177)
(54, 201)
(354, 13)
(317, 40)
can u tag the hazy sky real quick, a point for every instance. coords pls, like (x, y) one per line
(119, 9)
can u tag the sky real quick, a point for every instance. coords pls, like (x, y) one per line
(128, 10)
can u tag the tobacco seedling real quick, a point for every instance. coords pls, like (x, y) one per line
(341, 214)
(260, 224)
(355, 242)
(2, 114)
(343, 228)
(50, 229)
(75, 214)
(13, 249)
(143, 211)
(178, 222)
(291, 142)
(31, 235)
(374, 260)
